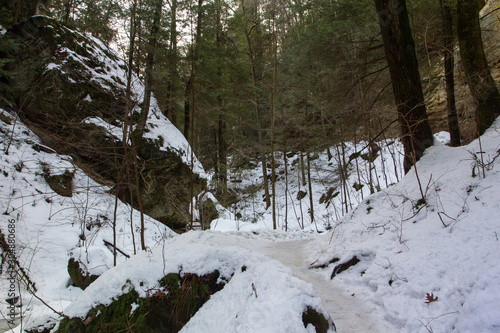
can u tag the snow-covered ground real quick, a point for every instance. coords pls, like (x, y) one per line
(292, 208)
(430, 267)
(423, 267)
(426, 244)
(50, 228)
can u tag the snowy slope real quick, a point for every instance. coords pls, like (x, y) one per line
(423, 267)
(293, 212)
(111, 75)
(49, 228)
(261, 295)
(410, 254)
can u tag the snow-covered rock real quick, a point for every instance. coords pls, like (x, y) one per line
(74, 93)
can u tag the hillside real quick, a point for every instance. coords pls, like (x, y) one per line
(415, 266)
(71, 90)
(359, 246)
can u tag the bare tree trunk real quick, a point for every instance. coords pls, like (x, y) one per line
(405, 77)
(285, 161)
(126, 116)
(256, 78)
(171, 108)
(221, 124)
(311, 201)
(449, 66)
(148, 80)
(138, 193)
(274, 91)
(222, 153)
(187, 106)
(190, 93)
(302, 166)
(478, 74)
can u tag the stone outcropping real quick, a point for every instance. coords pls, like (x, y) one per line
(70, 89)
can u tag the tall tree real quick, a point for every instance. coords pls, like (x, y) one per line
(405, 77)
(173, 75)
(221, 155)
(148, 79)
(253, 35)
(449, 65)
(190, 84)
(478, 74)
(15, 11)
(97, 17)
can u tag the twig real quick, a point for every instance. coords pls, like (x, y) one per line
(44, 303)
(486, 15)
(416, 213)
(439, 214)
(430, 329)
(116, 248)
(254, 290)
(370, 142)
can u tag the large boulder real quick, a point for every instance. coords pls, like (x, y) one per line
(70, 89)
(166, 309)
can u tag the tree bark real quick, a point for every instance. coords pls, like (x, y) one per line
(171, 109)
(449, 65)
(405, 77)
(477, 72)
(187, 107)
(256, 63)
(148, 79)
(221, 124)
(189, 101)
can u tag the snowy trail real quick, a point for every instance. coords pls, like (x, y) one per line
(349, 314)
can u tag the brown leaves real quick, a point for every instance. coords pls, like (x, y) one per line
(429, 298)
(159, 294)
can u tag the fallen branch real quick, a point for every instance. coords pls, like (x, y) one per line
(117, 249)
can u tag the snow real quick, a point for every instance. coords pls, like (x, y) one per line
(262, 295)
(49, 227)
(448, 249)
(114, 131)
(111, 72)
(385, 171)
(410, 253)
(425, 265)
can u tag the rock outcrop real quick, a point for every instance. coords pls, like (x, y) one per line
(70, 89)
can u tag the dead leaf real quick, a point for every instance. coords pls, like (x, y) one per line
(159, 294)
(429, 298)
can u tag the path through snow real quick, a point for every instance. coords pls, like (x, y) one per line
(349, 314)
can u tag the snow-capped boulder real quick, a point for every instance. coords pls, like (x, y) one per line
(71, 90)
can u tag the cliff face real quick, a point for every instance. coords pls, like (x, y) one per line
(70, 89)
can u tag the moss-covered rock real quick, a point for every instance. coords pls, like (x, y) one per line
(62, 184)
(80, 277)
(165, 309)
(312, 317)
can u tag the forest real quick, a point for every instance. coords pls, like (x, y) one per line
(249, 166)
(245, 79)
